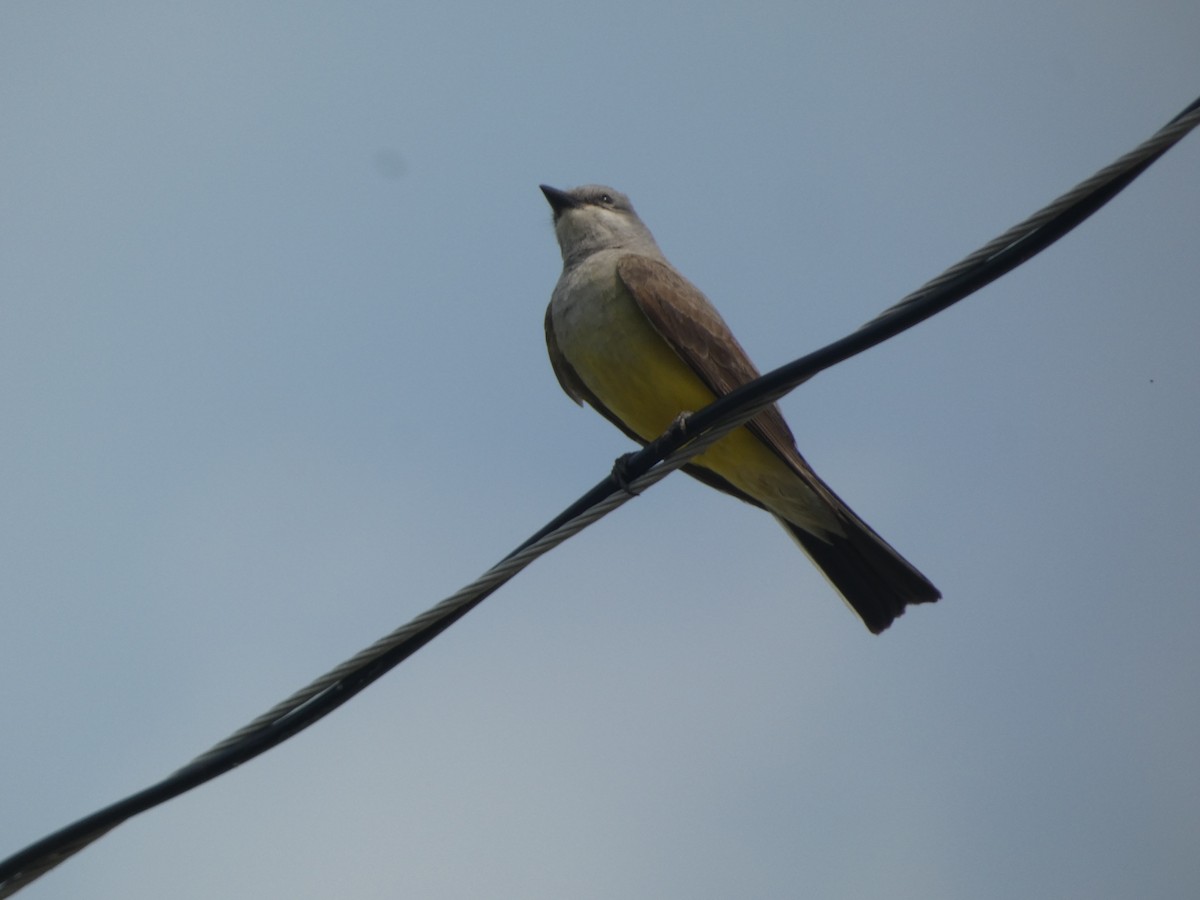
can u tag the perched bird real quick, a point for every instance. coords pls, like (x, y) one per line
(636, 340)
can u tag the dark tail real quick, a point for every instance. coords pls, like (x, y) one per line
(873, 578)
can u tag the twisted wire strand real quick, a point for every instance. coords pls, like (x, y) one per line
(644, 469)
(1146, 152)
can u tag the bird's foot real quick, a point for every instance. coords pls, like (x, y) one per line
(620, 473)
(620, 470)
(678, 428)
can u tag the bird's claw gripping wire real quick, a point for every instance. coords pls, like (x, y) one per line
(676, 431)
(620, 473)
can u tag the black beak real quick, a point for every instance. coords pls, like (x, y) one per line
(559, 201)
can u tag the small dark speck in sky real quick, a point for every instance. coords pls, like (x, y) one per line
(389, 163)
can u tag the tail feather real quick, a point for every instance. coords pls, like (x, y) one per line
(875, 580)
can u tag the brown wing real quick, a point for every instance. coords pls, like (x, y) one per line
(685, 319)
(876, 580)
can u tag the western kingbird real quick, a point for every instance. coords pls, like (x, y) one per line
(637, 341)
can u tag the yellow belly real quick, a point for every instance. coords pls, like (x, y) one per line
(638, 377)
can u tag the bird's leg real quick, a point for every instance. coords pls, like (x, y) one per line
(678, 428)
(620, 473)
(620, 470)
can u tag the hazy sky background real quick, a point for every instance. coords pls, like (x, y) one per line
(273, 381)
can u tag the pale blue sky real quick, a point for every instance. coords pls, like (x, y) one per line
(273, 381)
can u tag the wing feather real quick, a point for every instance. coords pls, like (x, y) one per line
(684, 318)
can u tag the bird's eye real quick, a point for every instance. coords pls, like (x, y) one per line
(606, 199)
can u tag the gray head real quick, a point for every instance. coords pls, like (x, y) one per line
(594, 217)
